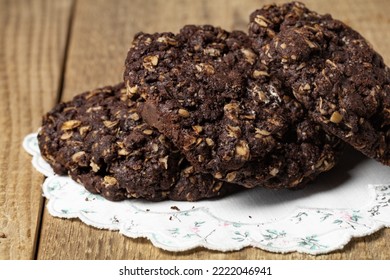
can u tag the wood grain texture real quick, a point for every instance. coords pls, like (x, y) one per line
(32, 40)
(101, 34)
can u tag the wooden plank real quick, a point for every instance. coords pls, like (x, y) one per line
(101, 36)
(33, 35)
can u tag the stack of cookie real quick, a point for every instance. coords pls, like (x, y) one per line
(207, 112)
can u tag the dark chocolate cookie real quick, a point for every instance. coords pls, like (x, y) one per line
(206, 90)
(332, 70)
(100, 140)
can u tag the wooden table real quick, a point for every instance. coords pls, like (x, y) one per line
(52, 50)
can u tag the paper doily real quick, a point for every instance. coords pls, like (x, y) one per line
(352, 200)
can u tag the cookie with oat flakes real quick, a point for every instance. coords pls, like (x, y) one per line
(331, 69)
(206, 90)
(100, 140)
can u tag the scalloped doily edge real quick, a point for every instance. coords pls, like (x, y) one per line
(155, 238)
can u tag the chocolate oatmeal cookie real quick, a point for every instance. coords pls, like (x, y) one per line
(332, 70)
(206, 90)
(100, 140)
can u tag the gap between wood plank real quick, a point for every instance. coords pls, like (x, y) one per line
(60, 89)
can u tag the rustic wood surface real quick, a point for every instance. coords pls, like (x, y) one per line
(52, 50)
(33, 36)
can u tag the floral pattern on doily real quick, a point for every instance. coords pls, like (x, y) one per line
(308, 230)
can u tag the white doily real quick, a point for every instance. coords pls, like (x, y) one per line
(352, 200)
